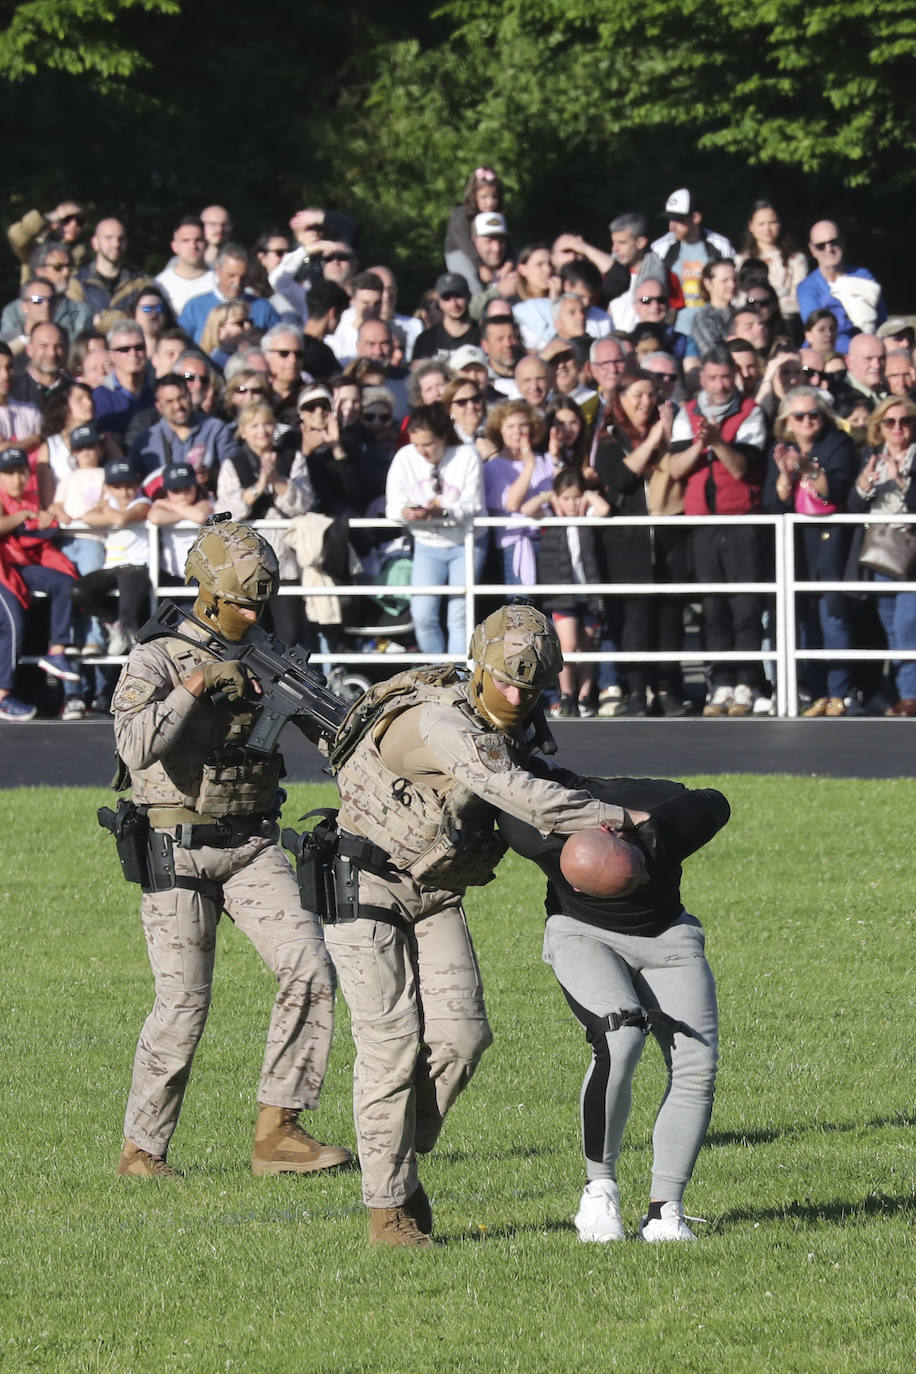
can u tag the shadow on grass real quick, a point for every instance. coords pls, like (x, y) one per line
(507, 1232)
(776, 1133)
(874, 1205)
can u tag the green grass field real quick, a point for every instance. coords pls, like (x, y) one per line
(807, 1178)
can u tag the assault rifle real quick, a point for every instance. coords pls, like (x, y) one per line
(290, 689)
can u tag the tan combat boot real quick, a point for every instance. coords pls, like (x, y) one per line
(281, 1146)
(396, 1226)
(137, 1163)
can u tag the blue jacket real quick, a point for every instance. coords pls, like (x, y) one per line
(814, 294)
(194, 316)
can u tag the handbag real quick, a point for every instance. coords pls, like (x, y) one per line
(891, 550)
(808, 502)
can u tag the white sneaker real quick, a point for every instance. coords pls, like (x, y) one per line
(611, 702)
(118, 642)
(669, 1226)
(718, 704)
(743, 703)
(598, 1217)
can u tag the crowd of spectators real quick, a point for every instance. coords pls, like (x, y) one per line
(664, 373)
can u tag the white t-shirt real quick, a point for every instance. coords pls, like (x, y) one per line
(180, 290)
(129, 545)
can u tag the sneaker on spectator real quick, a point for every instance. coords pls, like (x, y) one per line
(101, 704)
(718, 704)
(669, 1226)
(586, 709)
(74, 708)
(854, 707)
(743, 703)
(598, 1217)
(610, 702)
(764, 706)
(568, 708)
(118, 640)
(57, 665)
(668, 704)
(15, 712)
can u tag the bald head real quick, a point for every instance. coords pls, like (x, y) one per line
(601, 863)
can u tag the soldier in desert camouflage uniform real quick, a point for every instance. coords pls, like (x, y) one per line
(181, 721)
(427, 758)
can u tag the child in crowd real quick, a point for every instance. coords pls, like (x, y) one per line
(30, 562)
(181, 508)
(569, 554)
(77, 492)
(122, 512)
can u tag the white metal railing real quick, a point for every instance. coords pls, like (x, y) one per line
(784, 654)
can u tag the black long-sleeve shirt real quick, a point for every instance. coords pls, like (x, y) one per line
(681, 821)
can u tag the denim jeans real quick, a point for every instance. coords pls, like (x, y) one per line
(819, 627)
(898, 616)
(441, 567)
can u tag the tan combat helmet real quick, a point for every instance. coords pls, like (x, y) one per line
(518, 646)
(233, 567)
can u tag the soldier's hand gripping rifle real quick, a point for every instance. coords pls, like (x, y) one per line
(290, 688)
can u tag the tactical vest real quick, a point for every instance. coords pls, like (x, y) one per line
(442, 836)
(210, 771)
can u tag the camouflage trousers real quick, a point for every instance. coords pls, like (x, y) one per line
(420, 1027)
(261, 896)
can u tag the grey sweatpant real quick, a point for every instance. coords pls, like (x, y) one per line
(601, 971)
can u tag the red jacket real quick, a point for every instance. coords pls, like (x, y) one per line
(18, 552)
(733, 495)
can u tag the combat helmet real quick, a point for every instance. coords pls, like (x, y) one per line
(233, 567)
(519, 646)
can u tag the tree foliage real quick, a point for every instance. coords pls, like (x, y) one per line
(381, 107)
(76, 36)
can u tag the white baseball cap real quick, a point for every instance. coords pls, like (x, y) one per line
(489, 224)
(680, 202)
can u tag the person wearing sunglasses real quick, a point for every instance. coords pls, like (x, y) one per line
(811, 469)
(153, 313)
(283, 348)
(127, 390)
(885, 486)
(35, 305)
(64, 224)
(816, 292)
(466, 407)
(52, 264)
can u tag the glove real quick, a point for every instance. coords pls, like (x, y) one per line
(231, 679)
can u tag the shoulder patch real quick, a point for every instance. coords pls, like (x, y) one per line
(132, 692)
(491, 750)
